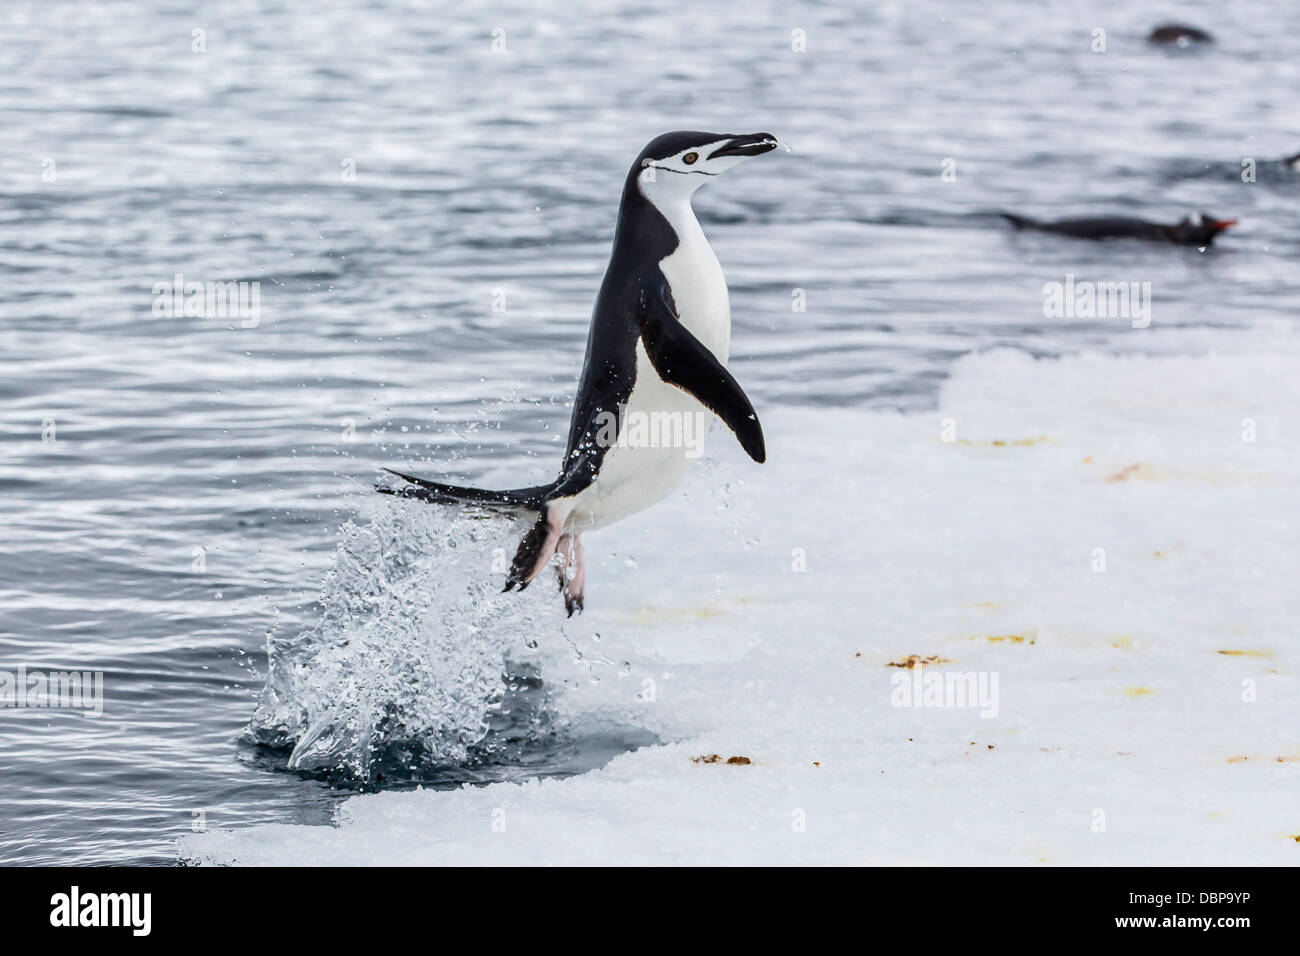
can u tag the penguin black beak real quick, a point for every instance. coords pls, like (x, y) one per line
(751, 144)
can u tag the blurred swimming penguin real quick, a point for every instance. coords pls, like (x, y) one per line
(1179, 35)
(1198, 229)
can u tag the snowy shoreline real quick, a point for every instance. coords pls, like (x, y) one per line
(1111, 538)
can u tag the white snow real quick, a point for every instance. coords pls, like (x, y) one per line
(1146, 713)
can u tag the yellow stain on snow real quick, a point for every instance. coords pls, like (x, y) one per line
(1262, 652)
(1004, 442)
(1125, 474)
(911, 661)
(1144, 471)
(1123, 643)
(992, 605)
(1030, 637)
(661, 615)
(1139, 691)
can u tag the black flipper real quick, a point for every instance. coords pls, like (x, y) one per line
(514, 499)
(683, 360)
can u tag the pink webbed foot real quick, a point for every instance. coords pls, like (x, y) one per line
(571, 570)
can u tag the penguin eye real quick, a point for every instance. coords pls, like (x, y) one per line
(690, 158)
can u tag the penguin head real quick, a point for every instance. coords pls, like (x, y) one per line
(676, 164)
(1199, 229)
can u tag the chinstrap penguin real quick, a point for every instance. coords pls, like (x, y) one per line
(657, 351)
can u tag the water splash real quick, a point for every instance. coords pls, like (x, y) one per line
(407, 665)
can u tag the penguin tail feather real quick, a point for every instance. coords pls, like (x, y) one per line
(512, 500)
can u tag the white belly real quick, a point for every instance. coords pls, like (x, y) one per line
(663, 427)
(700, 290)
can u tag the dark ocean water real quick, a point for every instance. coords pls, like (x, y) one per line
(434, 305)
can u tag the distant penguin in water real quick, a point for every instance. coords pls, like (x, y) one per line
(656, 353)
(1198, 229)
(1179, 35)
